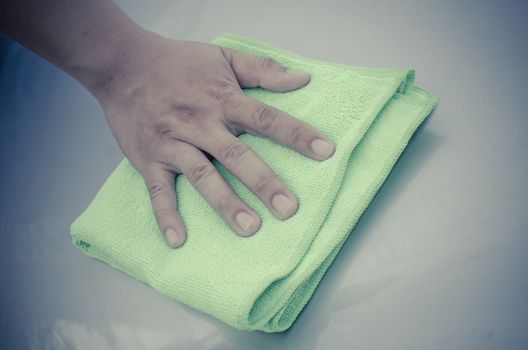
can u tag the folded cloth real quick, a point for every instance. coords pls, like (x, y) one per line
(262, 282)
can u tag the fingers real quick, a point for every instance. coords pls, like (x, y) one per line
(265, 120)
(252, 71)
(245, 164)
(206, 179)
(160, 185)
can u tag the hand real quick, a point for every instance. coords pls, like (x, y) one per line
(173, 104)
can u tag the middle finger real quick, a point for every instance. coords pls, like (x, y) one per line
(247, 166)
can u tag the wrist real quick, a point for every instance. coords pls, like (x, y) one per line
(99, 68)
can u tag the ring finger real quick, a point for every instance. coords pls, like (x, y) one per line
(206, 179)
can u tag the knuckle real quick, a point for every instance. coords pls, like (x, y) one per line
(267, 63)
(234, 151)
(221, 90)
(157, 189)
(185, 113)
(262, 184)
(200, 171)
(264, 117)
(230, 103)
(163, 129)
(225, 204)
(163, 213)
(295, 132)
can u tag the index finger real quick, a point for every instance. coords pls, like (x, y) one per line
(261, 119)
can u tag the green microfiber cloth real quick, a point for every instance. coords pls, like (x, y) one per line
(262, 282)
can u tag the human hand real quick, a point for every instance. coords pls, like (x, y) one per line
(174, 104)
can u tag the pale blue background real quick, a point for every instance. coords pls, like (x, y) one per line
(438, 261)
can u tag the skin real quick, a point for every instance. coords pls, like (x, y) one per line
(173, 105)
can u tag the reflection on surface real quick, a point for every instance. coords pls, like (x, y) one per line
(68, 334)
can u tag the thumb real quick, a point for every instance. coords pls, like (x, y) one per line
(253, 70)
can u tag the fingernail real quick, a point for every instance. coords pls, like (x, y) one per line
(322, 148)
(172, 237)
(297, 73)
(281, 203)
(244, 220)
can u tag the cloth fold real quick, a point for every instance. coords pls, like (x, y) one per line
(262, 282)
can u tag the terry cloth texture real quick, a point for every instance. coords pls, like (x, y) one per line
(262, 282)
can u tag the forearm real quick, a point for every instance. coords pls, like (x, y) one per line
(85, 38)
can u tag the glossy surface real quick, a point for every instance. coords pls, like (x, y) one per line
(438, 261)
